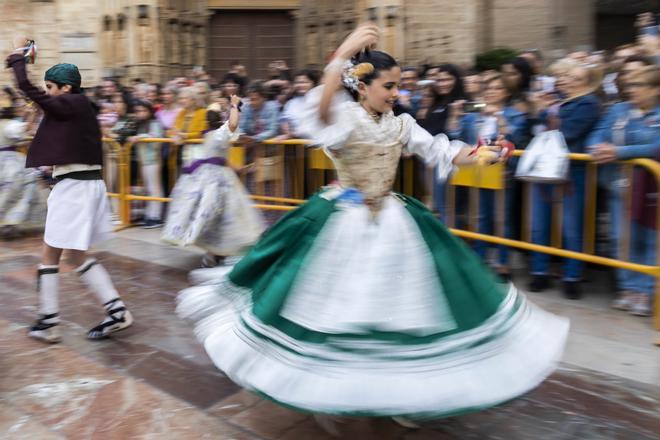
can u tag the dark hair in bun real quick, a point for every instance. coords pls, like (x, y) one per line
(379, 60)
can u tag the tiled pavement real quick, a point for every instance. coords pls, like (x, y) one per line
(154, 381)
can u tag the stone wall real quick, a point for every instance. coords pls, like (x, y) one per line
(156, 41)
(65, 31)
(165, 38)
(434, 31)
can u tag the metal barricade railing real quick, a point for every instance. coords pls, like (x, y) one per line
(305, 164)
(587, 254)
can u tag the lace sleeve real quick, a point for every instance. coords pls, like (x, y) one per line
(437, 151)
(335, 134)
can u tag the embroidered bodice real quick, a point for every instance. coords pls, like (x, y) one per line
(366, 152)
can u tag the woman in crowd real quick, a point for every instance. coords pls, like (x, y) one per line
(474, 86)
(170, 107)
(631, 130)
(425, 103)
(190, 123)
(149, 155)
(576, 117)
(290, 120)
(166, 116)
(448, 89)
(231, 85)
(517, 75)
(498, 119)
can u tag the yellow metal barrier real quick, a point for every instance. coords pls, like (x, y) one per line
(589, 225)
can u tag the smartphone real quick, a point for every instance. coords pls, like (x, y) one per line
(473, 106)
(425, 82)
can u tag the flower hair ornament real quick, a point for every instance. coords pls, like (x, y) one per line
(352, 74)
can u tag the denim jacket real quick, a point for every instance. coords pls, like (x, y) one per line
(634, 134)
(263, 124)
(578, 117)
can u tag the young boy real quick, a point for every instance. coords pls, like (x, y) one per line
(69, 140)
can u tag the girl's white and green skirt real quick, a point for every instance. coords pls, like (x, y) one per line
(338, 311)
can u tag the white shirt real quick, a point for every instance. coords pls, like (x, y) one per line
(60, 170)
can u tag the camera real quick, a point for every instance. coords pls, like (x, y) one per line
(473, 106)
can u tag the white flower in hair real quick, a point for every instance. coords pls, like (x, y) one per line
(353, 73)
(348, 77)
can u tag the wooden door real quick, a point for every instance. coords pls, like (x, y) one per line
(254, 38)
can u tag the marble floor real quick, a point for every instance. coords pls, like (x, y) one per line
(155, 381)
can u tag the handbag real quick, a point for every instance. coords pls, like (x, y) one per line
(545, 160)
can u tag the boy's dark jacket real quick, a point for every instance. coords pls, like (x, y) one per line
(69, 132)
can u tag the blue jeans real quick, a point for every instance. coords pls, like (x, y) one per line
(642, 251)
(616, 188)
(487, 218)
(572, 223)
(642, 240)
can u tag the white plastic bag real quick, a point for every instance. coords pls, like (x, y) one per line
(545, 159)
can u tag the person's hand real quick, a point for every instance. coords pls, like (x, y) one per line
(506, 148)
(489, 155)
(132, 139)
(456, 109)
(644, 19)
(245, 140)
(603, 153)
(542, 100)
(404, 100)
(178, 138)
(235, 100)
(19, 42)
(490, 110)
(364, 36)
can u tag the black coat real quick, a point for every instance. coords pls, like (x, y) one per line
(69, 132)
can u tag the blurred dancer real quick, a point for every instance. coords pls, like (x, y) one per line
(22, 197)
(210, 208)
(360, 302)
